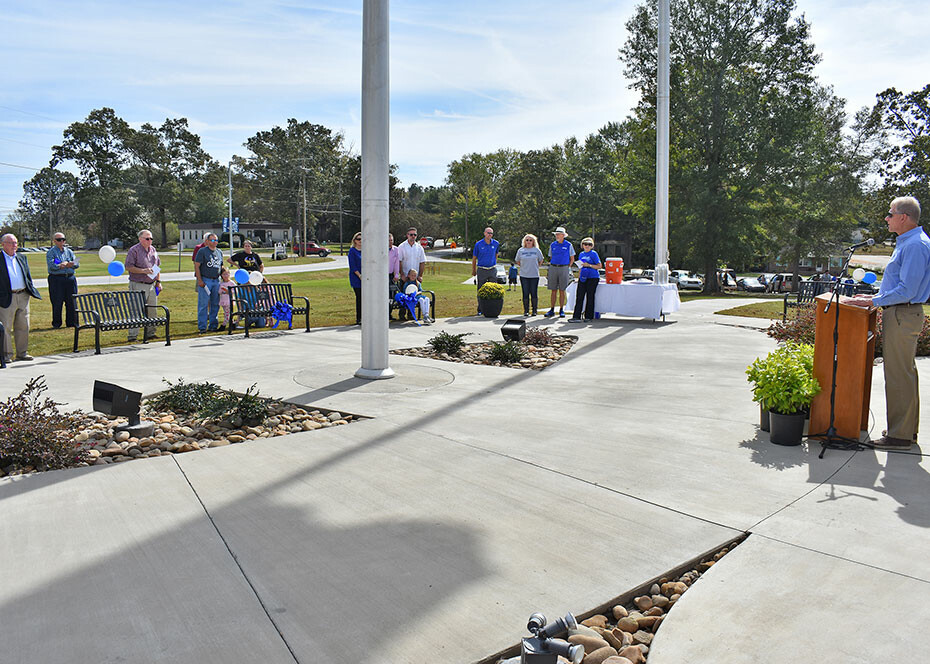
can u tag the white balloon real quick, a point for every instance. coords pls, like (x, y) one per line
(107, 253)
(255, 278)
(858, 274)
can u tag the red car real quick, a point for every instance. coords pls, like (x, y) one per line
(312, 248)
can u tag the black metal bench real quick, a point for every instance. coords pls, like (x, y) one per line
(807, 291)
(116, 310)
(394, 304)
(259, 302)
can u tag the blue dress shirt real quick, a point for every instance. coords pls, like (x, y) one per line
(907, 277)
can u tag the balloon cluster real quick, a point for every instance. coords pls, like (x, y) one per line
(865, 277)
(243, 277)
(108, 255)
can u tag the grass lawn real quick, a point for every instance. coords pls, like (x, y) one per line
(92, 266)
(332, 302)
(763, 309)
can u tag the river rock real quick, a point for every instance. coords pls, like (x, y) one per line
(590, 643)
(643, 603)
(599, 655)
(634, 654)
(595, 621)
(627, 624)
(620, 611)
(616, 659)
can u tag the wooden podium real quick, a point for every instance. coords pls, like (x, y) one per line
(855, 354)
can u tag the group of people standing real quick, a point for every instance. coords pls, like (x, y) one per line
(406, 263)
(529, 258)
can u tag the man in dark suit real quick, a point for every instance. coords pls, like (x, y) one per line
(15, 290)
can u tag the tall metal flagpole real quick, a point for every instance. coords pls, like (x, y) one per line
(662, 141)
(375, 160)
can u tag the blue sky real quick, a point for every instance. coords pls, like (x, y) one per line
(466, 76)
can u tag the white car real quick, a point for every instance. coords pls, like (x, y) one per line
(685, 280)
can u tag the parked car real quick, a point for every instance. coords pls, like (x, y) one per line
(779, 283)
(501, 276)
(750, 285)
(312, 249)
(685, 280)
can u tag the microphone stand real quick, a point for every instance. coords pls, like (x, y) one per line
(829, 438)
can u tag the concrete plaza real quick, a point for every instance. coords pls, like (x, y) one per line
(472, 497)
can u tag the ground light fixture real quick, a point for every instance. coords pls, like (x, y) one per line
(514, 329)
(111, 399)
(545, 646)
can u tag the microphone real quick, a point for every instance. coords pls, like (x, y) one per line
(864, 243)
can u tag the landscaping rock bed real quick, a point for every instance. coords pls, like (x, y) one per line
(537, 357)
(624, 633)
(178, 434)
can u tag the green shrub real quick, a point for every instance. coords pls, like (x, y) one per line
(451, 344)
(491, 291)
(210, 402)
(537, 336)
(801, 329)
(33, 432)
(784, 381)
(507, 353)
(184, 397)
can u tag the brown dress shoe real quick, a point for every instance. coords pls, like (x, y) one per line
(889, 443)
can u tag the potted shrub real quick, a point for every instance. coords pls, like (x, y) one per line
(491, 299)
(784, 385)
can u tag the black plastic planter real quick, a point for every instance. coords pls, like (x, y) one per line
(786, 429)
(491, 308)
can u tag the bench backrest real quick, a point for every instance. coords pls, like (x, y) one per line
(808, 290)
(261, 298)
(111, 305)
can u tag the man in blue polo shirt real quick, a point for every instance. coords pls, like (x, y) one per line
(484, 259)
(905, 287)
(561, 257)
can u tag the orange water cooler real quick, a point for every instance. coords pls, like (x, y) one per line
(613, 268)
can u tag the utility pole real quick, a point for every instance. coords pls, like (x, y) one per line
(303, 179)
(229, 171)
(662, 146)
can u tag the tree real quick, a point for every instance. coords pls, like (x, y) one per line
(736, 69)
(98, 147)
(532, 201)
(48, 200)
(902, 122)
(168, 165)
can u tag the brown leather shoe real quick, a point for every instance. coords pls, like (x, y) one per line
(889, 443)
(885, 434)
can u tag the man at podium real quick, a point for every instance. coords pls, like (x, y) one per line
(905, 287)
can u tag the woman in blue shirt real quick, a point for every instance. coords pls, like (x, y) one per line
(355, 274)
(587, 281)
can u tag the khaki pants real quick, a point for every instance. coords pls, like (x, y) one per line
(901, 326)
(15, 319)
(150, 301)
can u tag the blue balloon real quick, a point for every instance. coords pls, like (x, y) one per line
(241, 276)
(115, 268)
(870, 278)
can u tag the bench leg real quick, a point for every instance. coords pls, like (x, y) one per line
(76, 330)
(167, 332)
(97, 340)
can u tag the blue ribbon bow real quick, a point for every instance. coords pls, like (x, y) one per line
(409, 301)
(282, 311)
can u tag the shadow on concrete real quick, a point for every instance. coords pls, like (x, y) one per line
(180, 597)
(905, 480)
(776, 457)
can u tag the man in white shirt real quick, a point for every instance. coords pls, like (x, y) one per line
(411, 255)
(15, 290)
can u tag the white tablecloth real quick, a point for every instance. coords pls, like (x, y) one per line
(628, 299)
